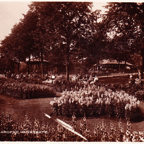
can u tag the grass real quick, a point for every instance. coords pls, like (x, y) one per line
(35, 108)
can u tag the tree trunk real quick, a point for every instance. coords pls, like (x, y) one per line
(142, 51)
(67, 62)
(98, 64)
(42, 67)
(82, 66)
(28, 65)
(142, 55)
(67, 71)
(19, 62)
(18, 66)
(124, 69)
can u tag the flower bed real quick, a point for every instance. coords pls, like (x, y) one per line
(93, 101)
(130, 88)
(28, 130)
(24, 90)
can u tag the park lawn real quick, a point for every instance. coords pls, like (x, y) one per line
(35, 108)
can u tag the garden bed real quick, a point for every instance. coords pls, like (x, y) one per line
(25, 90)
(94, 100)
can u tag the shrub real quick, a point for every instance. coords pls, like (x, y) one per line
(24, 90)
(139, 95)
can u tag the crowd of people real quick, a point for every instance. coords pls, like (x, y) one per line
(86, 79)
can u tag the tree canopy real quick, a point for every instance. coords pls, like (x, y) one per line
(69, 32)
(64, 27)
(125, 22)
(60, 31)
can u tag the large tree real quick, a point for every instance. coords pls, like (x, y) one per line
(63, 27)
(126, 21)
(20, 43)
(61, 32)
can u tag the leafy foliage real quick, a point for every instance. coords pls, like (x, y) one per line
(126, 27)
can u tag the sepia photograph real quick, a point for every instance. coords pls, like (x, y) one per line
(71, 71)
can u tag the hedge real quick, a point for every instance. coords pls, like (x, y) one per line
(25, 90)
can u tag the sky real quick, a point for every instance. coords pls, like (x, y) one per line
(12, 11)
